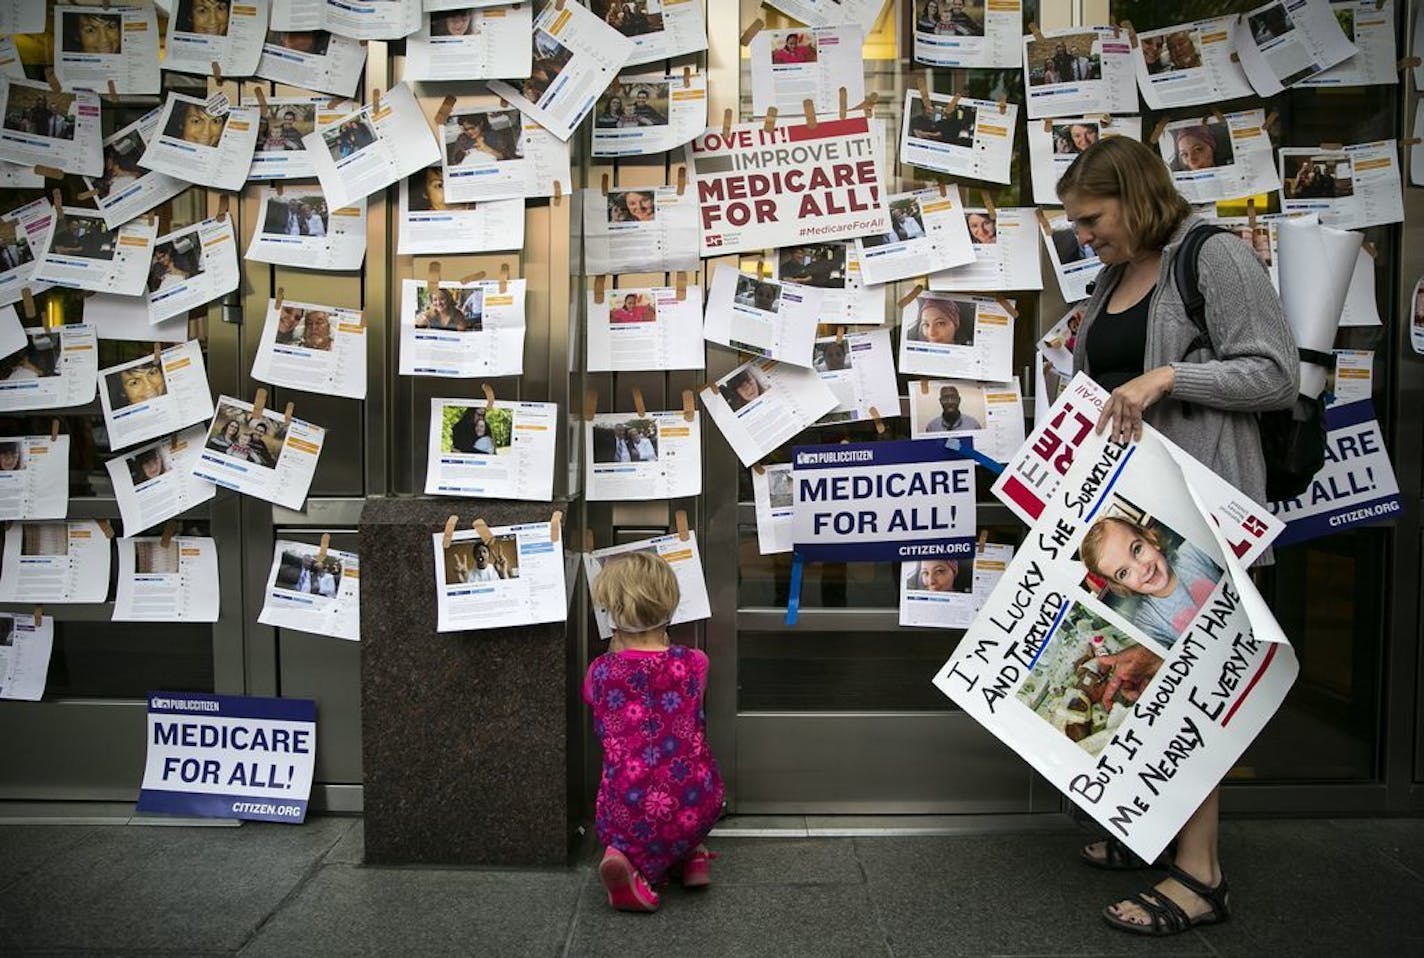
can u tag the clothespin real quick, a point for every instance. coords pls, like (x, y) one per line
(39, 615)
(727, 123)
(681, 286)
(910, 297)
(750, 33)
(1006, 306)
(29, 302)
(277, 187)
(489, 395)
(287, 414)
(689, 408)
(504, 277)
(1159, 129)
(259, 403)
(325, 545)
(1048, 124)
(559, 5)
(450, 525)
(335, 101)
(1037, 33)
(483, 529)
(988, 202)
(868, 104)
(923, 84)
(224, 204)
(474, 277)
(842, 97)
(52, 80)
(54, 430)
(1131, 31)
(638, 402)
(879, 423)
(555, 521)
(769, 123)
(261, 96)
(49, 172)
(600, 283)
(590, 405)
(280, 292)
(447, 105)
(1215, 114)
(1271, 119)
(1410, 141)
(808, 106)
(1332, 147)
(759, 266)
(1235, 57)
(681, 519)
(1003, 104)
(432, 278)
(58, 203)
(113, 93)
(170, 528)
(686, 77)
(681, 180)
(106, 527)
(953, 102)
(605, 184)
(217, 73)
(983, 540)
(588, 542)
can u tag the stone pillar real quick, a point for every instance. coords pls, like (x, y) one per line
(464, 734)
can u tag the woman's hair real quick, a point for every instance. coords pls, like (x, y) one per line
(639, 591)
(1091, 547)
(1120, 168)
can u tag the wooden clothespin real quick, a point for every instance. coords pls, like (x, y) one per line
(1370, 249)
(600, 283)
(158, 354)
(1131, 31)
(1215, 114)
(325, 545)
(638, 402)
(170, 529)
(106, 527)
(910, 297)
(432, 278)
(727, 123)
(1404, 63)
(375, 101)
(54, 430)
(590, 405)
(489, 396)
(559, 5)
(769, 123)
(689, 407)
(759, 469)
(605, 184)
(681, 286)
(450, 525)
(1410, 141)
(49, 172)
(1271, 119)
(1048, 124)
(983, 540)
(988, 202)
(1035, 31)
(680, 517)
(1007, 306)
(749, 34)
(335, 101)
(879, 423)
(280, 292)
(588, 541)
(504, 277)
(481, 527)
(686, 77)
(474, 277)
(840, 334)
(28, 299)
(1251, 213)
(287, 414)
(1105, 119)
(808, 106)
(868, 104)
(842, 96)
(943, 192)
(259, 403)
(555, 522)
(447, 106)
(112, 91)
(1332, 147)
(760, 265)
(952, 104)
(681, 180)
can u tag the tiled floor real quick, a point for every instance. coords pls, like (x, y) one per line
(1300, 888)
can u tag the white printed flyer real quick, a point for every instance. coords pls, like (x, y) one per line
(154, 483)
(659, 29)
(25, 648)
(204, 32)
(775, 499)
(313, 590)
(201, 143)
(640, 230)
(282, 123)
(23, 230)
(1190, 64)
(42, 127)
(34, 477)
(991, 415)
(859, 368)
(948, 593)
(462, 329)
(482, 449)
(679, 550)
(313, 60)
(515, 577)
(959, 135)
(641, 456)
(960, 337)
(1219, 157)
(55, 562)
(968, 33)
(95, 46)
(649, 113)
(762, 404)
(167, 581)
(471, 44)
(1281, 44)
(155, 395)
(55, 369)
(126, 189)
(297, 228)
(83, 252)
(1005, 241)
(312, 347)
(191, 267)
(637, 329)
(1349, 187)
(1078, 70)
(371, 19)
(431, 224)
(267, 456)
(775, 320)
(798, 64)
(834, 269)
(928, 234)
(1053, 145)
(498, 153)
(372, 147)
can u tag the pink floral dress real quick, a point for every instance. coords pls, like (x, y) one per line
(661, 792)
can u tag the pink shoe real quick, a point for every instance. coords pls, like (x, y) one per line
(627, 889)
(696, 868)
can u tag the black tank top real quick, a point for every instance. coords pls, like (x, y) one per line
(1117, 343)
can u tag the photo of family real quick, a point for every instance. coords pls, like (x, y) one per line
(134, 384)
(38, 360)
(1317, 176)
(550, 58)
(646, 104)
(632, 206)
(44, 539)
(1145, 571)
(906, 221)
(12, 455)
(207, 17)
(744, 386)
(281, 128)
(450, 310)
(632, 308)
(310, 42)
(307, 328)
(1074, 138)
(757, 294)
(349, 137)
(476, 431)
(237, 434)
(1178, 50)
(1200, 146)
(155, 558)
(819, 265)
(831, 357)
(780, 488)
(425, 191)
(40, 112)
(147, 465)
(83, 235)
(634, 440)
(120, 164)
(792, 46)
(1085, 678)
(475, 560)
(1069, 59)
(939, 575)
(632, 18)
(303, 573)
(84, 31)
(192, 123)
(296, 215)
(175, 261)
(940, 124)
(945, 321)
(948, 407)
(950, 18)
(983, 228)
(474, 139)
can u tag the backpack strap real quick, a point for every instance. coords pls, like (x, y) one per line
(1185, 271)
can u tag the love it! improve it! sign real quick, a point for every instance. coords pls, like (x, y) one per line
(229, 756)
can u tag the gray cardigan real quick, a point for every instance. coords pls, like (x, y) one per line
(1251, 366)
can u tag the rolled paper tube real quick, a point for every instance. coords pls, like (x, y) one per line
(1317, 264)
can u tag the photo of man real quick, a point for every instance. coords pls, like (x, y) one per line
(1069, 59)
(634, 440)
(822, 266)
(951, 416)
(1067, 243)
(15, 253)
(478, 561)
(40, 113)
(306, 574)
(281, 128)
(1319, 176)
(92, 32)
(84, 235)
(958, 18)
(831, 357)
(295, 216)
(135, 384)
(237, 434)
(757, 294)
(192, 123)
(175, 261)
(633, 308)
(316, 330)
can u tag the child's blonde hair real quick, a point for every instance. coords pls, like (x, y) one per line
(1092, 545)
(639, 591)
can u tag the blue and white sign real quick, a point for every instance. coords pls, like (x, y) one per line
(229, 756)
(882, 501)
(1357, 486)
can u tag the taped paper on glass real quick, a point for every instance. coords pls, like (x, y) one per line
(55, 369)
(1317, 266)
(659, 29)
(1078, 70)
(191, 267)
(928, 234)
(959, 337)
(681, 555)
(500, 154)
(314, 348)
(94, 45)
(1074, 262)
(1005, 246)
(948, 593)
(313, 593)
(282, 123)
(45, 128)
(1361, 309)
(267, 457)
(1281, 43)
(832, 13)
(312, 60)
(775, 320)
(1189, 64)
(462, 329)
(23, 16)
(1369, 25)
(859, 368)
(127, 318)
(297, 228)
(471, 44)
(762, 189)
(635, 329)
(173, 582)
(762, 404)
(503, 451)
(575, 56)
(25, 647)
(125, 189)
(968, 33)
(642, 456)
(85, 253)
(516, 577)
(1126, 654)
(31, 225)
(204, 32)
(34, 477)
(55, 562)
(792, 66)
(155, 395)
(775, 499)
(1353, 377)
(1054, 144)
(990, 415)
(646, 113)
(431, 224)
(372, 147)
(1215, 159)
(202, 142)
(640, 230)
(959, 136)
(371, 19)
(1349, 189)
(834, 269)
(154, 483)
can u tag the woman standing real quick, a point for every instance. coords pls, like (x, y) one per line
(1138, 341)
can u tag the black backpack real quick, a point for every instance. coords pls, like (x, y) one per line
(1293, 440)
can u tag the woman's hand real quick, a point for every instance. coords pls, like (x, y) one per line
(1132, 669)
(1122, 413)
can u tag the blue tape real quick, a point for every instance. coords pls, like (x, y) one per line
(793, 601)
(967, 451)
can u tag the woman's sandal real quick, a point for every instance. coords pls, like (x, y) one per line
(1169, 918)
(1118, 857)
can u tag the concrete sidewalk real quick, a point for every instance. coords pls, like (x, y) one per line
(1300, 888)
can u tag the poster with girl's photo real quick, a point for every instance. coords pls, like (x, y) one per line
(312, 60)
(154, 482)
(947, 593)
(313, 348)
(430, 223)
(191, 267)
(282, 123)
(1053, 144)
(42, 127)
(461, 329)
(515, 577)
(762, 404)
(1221, 157)
(806, 63)
(34, 477)
(484, 450)
(126, 189)
(267, 456)
(498, 153)
(313, 590)
(95, 46)
(659, 29)
(56, 368)
(465, 43)
(1078, 70)
(155, 394)
(204, 32)
(646, 113)
(172, 581)
(23, 231)
(55, 562)
(203, 143)
(369, 149)
(298, 228)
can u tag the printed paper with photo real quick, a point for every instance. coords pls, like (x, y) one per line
(83, 252)
(25, 647)
(659, 29)
(281, 125)
(1053, 144)
(154, 483)
(126, 318)
(43, 128)
(652, 230)
(295, 14)
(959, 135)
(297, 228)
(775, 320)
(1223, 158)
(649, 113)
(1190, 64)
(1352, 379)
(653, 455)
(989, 414)
(432, 224)
(1349, 189)
(806, 63)
(1280, 46)
(462, 329)
(762, 404)
(498, 153)
(1074, 262)
(55, 562)
(204, 32)
(1369, 25)
(125, 189)
(961, 337)
(503, 451)
(859, 368)
(34, 477)
(192, 267)
(834, 269)
(948, 593)
(575, 56)
(155, 395)
(968, 33)
(203, 143)
(175, 581)
(94, 45)
(681, 554)
(1005, 244)
(928, 234)
(1078, 70)
(371, 19)
(23, 16)
(267, 457)
(16, 177)
(775, 499)
(515, 578)
(311, 592)
(313, 348)
(371, 148)
(465, 43)
(55, 369)
(312, 59)
(23, 231)
(637, 329)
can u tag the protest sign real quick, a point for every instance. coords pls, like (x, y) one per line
(1125, 653)
(762, 188)
(1357, 486)
(882, 501)
(229, 756)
